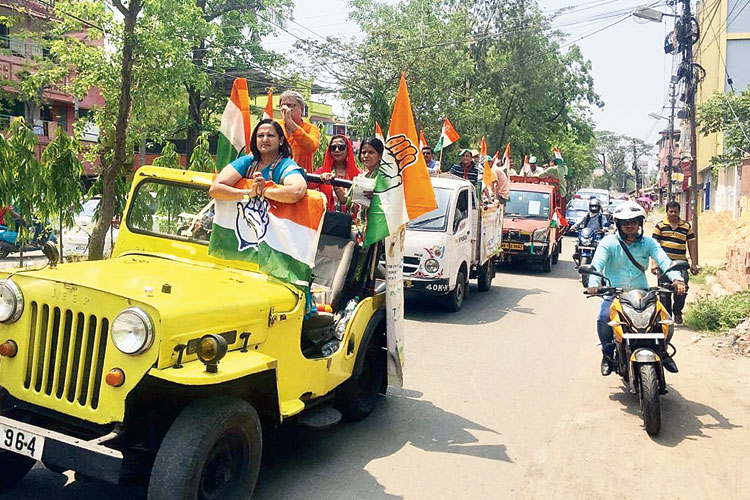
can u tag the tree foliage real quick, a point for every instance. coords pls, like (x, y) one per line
(729, 114)
(494, 68)
(615, 158)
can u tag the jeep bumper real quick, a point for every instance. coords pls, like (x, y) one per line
(66, 452)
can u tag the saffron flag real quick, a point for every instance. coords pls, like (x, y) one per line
(268, 112)
(234, 131)
(506, 155)
(488, 176)
(379, 132)
(403, 190)
(447, 136)
(496, 158)
(422, 140)
(282, 238)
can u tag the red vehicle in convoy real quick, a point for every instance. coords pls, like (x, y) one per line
(532, 230)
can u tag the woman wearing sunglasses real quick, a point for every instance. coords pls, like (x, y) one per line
(337, 164)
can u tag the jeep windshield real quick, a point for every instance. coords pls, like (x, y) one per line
(528, 204)
(172, 210)
(438, 218)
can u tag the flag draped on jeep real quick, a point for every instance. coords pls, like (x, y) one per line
(282, 238)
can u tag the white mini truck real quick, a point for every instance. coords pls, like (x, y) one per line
(444, 248)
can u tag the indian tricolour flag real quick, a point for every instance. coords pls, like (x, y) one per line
(447, 136)
(422, 140)
(379, 132)
(234, 131)
(282, 238)
(403, 190)
(558, 157)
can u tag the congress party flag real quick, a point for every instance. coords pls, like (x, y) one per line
(447, 136)
(234, 131)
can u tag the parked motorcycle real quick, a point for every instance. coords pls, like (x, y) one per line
(9, 240)
(641, 328)
(588, 240)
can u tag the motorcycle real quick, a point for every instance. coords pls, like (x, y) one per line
(642, 329)
(9, 240)
(588, 240)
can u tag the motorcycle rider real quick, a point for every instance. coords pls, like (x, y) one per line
(595, 219)
(611, 260)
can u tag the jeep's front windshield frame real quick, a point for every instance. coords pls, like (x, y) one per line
(172, 210)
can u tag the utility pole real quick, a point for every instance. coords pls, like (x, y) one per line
(691, 86)
(637, 171)
(670, 141)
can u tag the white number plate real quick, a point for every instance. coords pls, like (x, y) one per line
(21, 442)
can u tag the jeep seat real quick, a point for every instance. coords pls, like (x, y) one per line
(334, 257)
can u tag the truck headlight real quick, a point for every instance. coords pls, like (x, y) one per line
(431, 266)
(11, 301)
(540, 234)
(132, 331)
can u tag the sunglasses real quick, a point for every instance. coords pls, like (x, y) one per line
(337, 147)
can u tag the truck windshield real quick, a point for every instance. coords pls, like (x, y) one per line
(438, 218)
(531, 204)
(178, 211)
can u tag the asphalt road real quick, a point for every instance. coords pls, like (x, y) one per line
(504, 400)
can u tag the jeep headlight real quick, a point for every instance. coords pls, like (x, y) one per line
(540, 235)
(132, 331)
(640, 319)
(431, 266)
(11, 301)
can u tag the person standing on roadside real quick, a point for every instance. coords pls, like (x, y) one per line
(303, 137)
(675, 236)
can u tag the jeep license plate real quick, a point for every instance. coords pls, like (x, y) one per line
(21, 442)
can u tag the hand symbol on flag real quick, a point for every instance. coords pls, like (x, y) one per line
(399, 154)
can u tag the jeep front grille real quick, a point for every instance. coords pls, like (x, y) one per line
(67, 354)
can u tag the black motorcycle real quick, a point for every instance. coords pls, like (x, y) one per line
(588, 240)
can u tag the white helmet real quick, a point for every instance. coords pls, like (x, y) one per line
(629, 210)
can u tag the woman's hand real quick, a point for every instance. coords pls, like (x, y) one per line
(326, 177)
(259, 184)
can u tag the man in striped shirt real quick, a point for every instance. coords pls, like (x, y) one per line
(675, 236)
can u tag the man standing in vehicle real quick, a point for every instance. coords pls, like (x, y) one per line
(433, 166)
(675, 236)
(303, 137)
(622, 258)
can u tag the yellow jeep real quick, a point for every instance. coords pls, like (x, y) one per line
(168, 365)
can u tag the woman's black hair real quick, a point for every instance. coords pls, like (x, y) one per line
(376, 143)
(284, 148)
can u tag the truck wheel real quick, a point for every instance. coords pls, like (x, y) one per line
(485, 273)
(584, 277)
(547, 262)
(455, 299)
(212, 450)
(650, 407)
(556, 252)
(358, 396)
(14, 467)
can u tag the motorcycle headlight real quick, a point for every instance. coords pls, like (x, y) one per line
(640, 319)
(586, 242)
(132, 331)
(11, 301)
(431, 266)
(540, 234)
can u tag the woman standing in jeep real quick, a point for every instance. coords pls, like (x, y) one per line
(270, 161)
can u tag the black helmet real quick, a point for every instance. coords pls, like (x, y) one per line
(595, 205)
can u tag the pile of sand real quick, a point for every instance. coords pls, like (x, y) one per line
(717, 230)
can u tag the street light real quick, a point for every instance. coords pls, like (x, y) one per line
(656, 116)
(643, 15)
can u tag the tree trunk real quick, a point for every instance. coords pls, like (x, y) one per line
(110, 172)
(195, 100)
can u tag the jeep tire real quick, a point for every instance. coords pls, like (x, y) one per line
(358, 396)
(14, 468)
(212, 450)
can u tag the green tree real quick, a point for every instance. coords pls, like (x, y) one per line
(201, 159)
(62, 176)
(729, 114)
(615, 157)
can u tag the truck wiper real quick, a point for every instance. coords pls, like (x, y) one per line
(425, 221)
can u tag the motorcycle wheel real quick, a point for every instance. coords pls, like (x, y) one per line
(650, 408)
(584, 277)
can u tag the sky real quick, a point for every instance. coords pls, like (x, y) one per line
(629, 66)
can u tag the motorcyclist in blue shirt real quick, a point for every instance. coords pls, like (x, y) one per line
(611, 260)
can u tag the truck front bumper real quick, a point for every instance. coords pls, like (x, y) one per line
(437, 286)
(90, 458)
(529, 250)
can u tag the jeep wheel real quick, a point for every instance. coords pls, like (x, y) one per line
(455, 299)
(14, 468)
(211, 451)
(485, 273)
(358, 396)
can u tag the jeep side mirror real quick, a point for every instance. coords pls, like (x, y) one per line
(49, 249)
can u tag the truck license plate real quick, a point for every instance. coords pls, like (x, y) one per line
(21, 442)
(512, 246)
